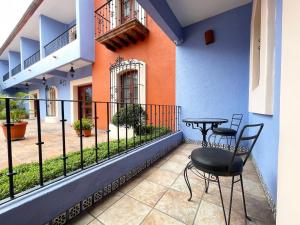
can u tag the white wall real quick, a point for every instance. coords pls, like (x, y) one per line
(288, 196)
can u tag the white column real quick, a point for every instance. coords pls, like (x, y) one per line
(288, 196)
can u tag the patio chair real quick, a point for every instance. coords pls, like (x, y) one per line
(228, 133)
(218, 162)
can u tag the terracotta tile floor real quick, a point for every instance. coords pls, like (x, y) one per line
(159, 197)
(26, 150)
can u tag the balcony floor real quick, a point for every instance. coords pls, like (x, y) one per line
(159, 196)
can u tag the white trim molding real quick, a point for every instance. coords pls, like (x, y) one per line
(261, 85)
(74, 84)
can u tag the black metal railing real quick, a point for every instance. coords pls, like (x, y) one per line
(63, 39)
(6, 76)
(16, 70)
(115, 13)
(34, 58)
(141, 124)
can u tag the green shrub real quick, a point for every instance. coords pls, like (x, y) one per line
(27, 175)
(87, 124)
(17, 107)
(136, 117)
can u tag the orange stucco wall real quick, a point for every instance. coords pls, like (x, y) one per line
(157, 51)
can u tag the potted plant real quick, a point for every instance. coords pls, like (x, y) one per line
(18, 114)
(87, 126)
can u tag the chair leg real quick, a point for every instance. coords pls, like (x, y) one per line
(206, 183)
(186, 178)
(244, 200)
(221, 196)
(230, 203)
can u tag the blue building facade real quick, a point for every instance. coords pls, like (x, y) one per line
(53, 52)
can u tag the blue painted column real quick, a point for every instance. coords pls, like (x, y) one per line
(85, 28)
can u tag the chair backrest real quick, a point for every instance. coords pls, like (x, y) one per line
(246, 141)
(236, 121)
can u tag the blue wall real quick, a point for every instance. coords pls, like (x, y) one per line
(28, 48)
(49, 30)
(14, 59)
(63, 90)
(3, 68)
(266, 153)
(212, 80)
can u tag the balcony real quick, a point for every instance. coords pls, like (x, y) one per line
(63, 39)
(120, 24)
(5, 77)
(16, 70)
(32, 59)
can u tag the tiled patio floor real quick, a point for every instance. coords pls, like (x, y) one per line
(159, 197)
(26, 150)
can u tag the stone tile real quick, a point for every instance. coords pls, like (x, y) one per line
(173, 167)
(196, 184)
(211, 214)
(95, 222)
(148, 172)
(176, 205)
(82, 219)
(182, 159)
(148, 192)
(131, 184)
(160, 163)
(213, 196)
(158, 218)
(162, 177)
(100, 207)
(259, 209)
(126, 211)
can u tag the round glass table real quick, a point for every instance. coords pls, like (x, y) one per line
(204, 124)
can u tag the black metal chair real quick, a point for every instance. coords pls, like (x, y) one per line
(217, 162)
(228, 133)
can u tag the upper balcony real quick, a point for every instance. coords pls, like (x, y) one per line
(50, 38)
(62, 40)
(119, 23)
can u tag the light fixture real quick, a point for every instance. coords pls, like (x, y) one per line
(44, 81)
(72, 71)
(27, 85)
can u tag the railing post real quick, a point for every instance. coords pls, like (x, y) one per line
(133, 109)
(126, 126)
(39, 143)
(8, 125)
(151, 124)
(159, 120)
(107, 130)
(140, 122)
(96, 131)
(155, 120)
(118, 128)
(63, 120)
(81, 135)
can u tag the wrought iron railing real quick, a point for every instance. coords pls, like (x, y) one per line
(115, 13)
(63, 39)
(32, 59)
(149, 121)
(6, 76)
(16, 70)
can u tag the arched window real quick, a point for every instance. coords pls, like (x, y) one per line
(51, 104)
(129, 87)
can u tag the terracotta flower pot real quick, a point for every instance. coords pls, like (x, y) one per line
(85, 133)
(18, 131)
